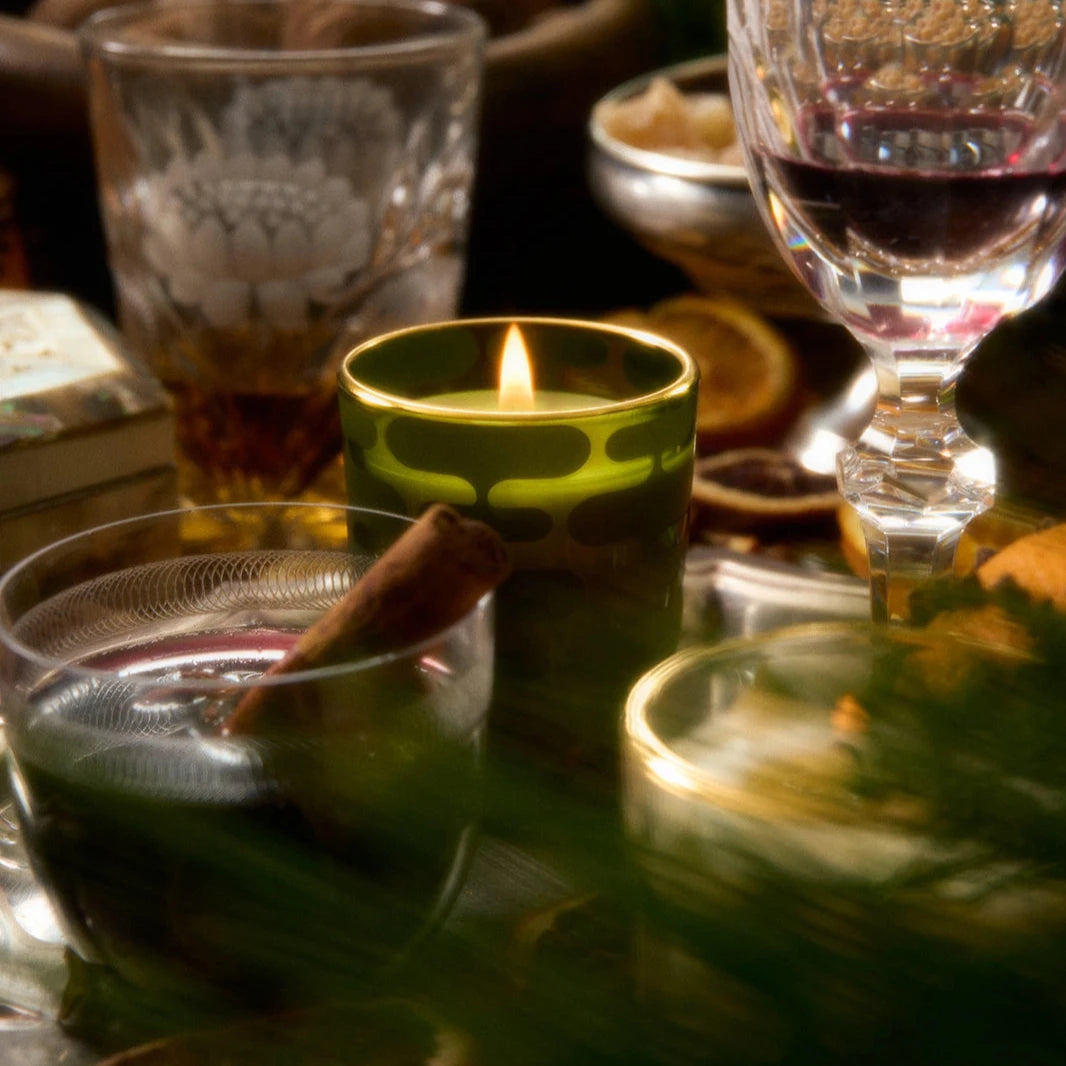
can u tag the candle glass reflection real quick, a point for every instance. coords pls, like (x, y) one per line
(590, 488)
(849, 841)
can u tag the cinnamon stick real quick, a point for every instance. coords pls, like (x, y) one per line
(427, 580)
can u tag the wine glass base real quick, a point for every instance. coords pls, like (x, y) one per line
(916, 495)
(913, 510)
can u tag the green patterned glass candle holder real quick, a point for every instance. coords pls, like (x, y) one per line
(589, 485)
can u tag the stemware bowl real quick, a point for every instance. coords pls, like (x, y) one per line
(908, 157)
(207, 873)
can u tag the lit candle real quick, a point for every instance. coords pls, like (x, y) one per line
(579, 450)
(515, 391)
(516, 374)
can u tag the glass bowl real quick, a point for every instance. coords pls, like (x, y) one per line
(850, 840)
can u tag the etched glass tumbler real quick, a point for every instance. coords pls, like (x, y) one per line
(278, 182)
(909, 156)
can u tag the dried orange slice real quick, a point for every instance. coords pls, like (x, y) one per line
(751, 488)
(749, 376)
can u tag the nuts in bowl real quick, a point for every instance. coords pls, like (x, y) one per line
(662, 118)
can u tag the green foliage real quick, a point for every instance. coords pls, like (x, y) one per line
(978, 737)
(560, 953)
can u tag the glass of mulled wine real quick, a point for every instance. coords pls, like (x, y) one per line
(211, 871)
(909, 157)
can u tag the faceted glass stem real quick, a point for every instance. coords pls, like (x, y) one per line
(914, 477)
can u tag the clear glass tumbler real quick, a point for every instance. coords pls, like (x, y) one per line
(208, 873)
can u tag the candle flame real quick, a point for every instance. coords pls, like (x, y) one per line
(516, 374)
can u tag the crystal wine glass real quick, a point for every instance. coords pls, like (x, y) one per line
(909, 157)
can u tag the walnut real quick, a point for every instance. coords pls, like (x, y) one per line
(665, 119)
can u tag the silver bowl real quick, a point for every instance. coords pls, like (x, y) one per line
(700, 216)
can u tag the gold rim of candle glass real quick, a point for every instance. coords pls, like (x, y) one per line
(687, 376)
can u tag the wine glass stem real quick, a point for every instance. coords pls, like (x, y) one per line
(914, 477)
